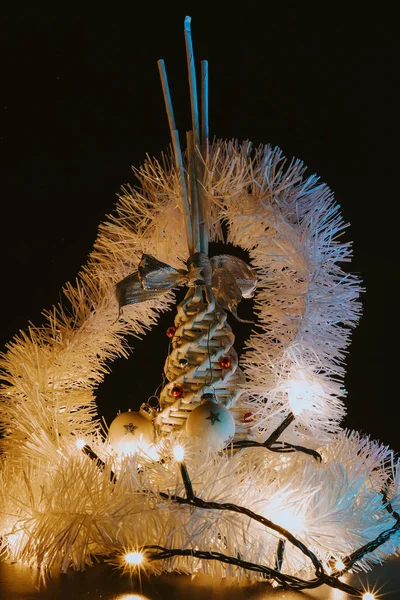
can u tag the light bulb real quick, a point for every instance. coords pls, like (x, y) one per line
(80, 443)
(339, 565)
(133, 558)
(179, 453)
(368, 596)
(301, 392)
(290, 521)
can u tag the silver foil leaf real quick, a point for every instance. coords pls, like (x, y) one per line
(156, 275)
(226, 291)
(244, 275)
(152, 279)
(232, 280)
(129, 291)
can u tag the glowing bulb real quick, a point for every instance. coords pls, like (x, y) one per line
(132, 597)
(302, 392)
(368, 596)
(179, 453)
(80, 443)
(288, 520)
(339, 565)
(133, 558)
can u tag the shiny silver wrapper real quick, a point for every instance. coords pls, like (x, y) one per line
(232, 280)
(130, 291)
(244, 275)
(226, 291)
(156, 275)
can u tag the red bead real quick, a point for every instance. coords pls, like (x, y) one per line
(171, 332)
(177, 391)
(225, 362)
(248, 417)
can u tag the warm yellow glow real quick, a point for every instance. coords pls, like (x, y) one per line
(152, 452)
(133, 558)
(14, 538)
(80, 443)
(179, 453)
(368, 596)
(339, 565)
(287, 519)
(131, 597)
(301, 392)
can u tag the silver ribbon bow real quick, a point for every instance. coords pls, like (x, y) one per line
(231, 280)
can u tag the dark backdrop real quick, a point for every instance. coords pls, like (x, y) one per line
(82, 102)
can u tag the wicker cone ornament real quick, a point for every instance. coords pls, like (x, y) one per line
(201, 338)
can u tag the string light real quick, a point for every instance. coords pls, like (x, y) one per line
(302, 392)
(179, 453)
(339, 565)
(368, 596)
(80, 443)
(134, 558)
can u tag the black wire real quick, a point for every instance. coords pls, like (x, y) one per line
(280, 551)
(383, 537)
(287, 580)
(200, 503)
(98, 462)
(272, 444)
(283, 447)
(293, 582)
(186, 481)
(279, 430)
(154, 552)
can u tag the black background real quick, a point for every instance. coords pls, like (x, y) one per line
(81, 102)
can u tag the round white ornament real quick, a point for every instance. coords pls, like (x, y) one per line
(212, 423)
(129, 432)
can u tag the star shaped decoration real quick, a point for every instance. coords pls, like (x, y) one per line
(130, 428)
(214, 417)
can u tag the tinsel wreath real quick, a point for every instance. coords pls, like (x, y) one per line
(58, 509)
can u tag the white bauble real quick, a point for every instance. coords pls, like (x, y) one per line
(212, 423)
(130, 432)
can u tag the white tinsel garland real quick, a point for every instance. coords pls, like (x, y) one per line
(58, 508)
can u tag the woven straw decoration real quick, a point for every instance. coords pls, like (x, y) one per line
(202, 337)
